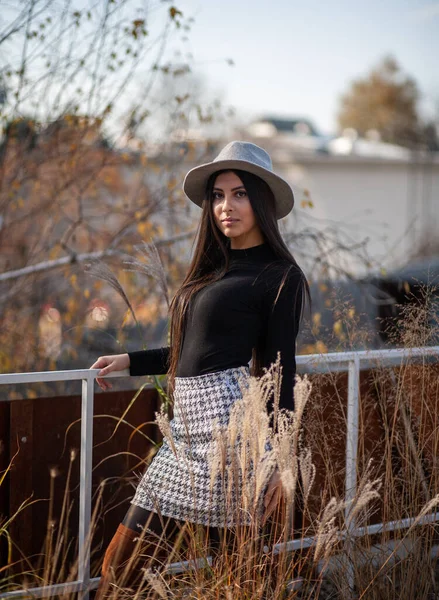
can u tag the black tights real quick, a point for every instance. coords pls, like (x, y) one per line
(168, 528)
(165, 540)
(163, 527)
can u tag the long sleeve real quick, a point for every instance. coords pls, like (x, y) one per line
(281, 332)
(149, 362)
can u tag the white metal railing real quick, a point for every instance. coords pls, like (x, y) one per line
(350, 362)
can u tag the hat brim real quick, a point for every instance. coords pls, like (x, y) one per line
(195, 182)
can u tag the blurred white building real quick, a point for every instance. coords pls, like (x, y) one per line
(378, 194)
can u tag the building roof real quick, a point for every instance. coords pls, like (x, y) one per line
(296, 126)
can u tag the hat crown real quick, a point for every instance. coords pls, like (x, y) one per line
(243, 156)
(247, 152)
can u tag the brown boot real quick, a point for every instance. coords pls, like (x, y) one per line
(116, 556)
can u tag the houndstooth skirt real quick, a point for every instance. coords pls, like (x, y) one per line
(178, 483)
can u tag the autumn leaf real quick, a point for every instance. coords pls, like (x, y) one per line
(307, 203)
(338, 327)
(321, 347)
(174, 12)
(317, 318)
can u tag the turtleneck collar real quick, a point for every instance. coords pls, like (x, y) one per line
(257, 253)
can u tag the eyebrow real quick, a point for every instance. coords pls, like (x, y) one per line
(233, 189)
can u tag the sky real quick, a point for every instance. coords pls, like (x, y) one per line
(295, 59)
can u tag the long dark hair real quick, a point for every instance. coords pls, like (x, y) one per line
(210, 261)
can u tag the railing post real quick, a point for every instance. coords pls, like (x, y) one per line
(351, 459)
(352, 432)
(85, 485)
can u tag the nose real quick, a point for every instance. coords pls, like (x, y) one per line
(227, 202)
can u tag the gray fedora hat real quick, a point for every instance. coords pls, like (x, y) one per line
(246, 157)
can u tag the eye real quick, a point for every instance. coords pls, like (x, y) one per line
(216, 195)
(241, 193)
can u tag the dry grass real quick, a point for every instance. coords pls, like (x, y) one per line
(398, 444)
(397, 478)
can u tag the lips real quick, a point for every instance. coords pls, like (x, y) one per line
(230, 220)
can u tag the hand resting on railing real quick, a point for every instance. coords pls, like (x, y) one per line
(108, 364)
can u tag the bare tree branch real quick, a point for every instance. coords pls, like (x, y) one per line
(49, 265)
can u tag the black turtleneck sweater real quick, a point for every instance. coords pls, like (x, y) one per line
(230, 317)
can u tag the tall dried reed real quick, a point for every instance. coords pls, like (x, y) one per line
(397, 479)
(398, 443)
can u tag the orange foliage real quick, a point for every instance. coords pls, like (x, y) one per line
(64, 192)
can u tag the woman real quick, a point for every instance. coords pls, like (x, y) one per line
(241, 299)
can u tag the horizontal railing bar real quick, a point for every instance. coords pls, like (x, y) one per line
(370, 354)
(46, 376)
(395, 525)
(338, 361)
(186, 565)
(307, 363)
(383, 553)
(310, 541)
(48, 590)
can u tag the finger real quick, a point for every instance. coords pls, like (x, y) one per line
(273, 488)
(106, 369)
(268, 496)
(271, 507)
(101, 362)
(103, 384)
(266, 514)
(100, 383)
(272, 504)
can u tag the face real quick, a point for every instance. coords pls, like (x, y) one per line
(230, 200)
